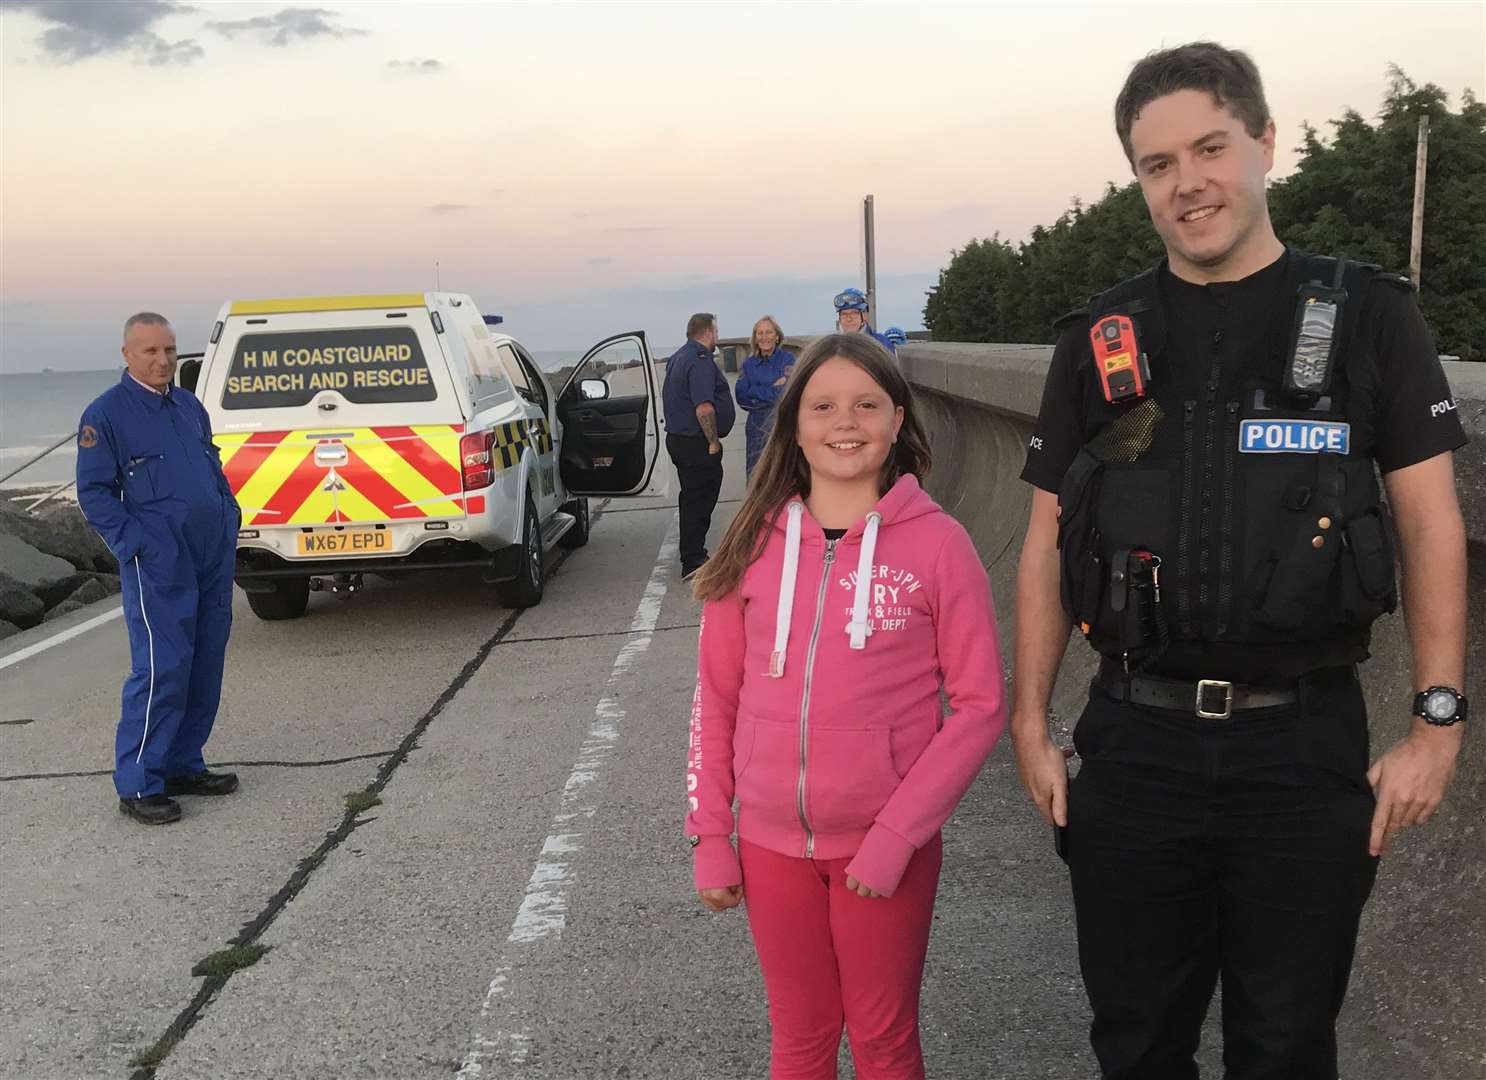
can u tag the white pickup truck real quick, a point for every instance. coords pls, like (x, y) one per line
(398, 433)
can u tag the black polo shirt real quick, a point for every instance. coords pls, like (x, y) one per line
(1218, 327)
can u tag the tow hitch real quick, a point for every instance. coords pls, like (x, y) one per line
(341, 584)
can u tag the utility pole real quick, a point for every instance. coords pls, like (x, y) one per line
(869, 240)
(1421, 161)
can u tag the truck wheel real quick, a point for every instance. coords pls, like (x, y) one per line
(525, 589)
(288, 600)
(577, 536)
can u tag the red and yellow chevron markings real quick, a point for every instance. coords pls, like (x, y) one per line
(363, 475)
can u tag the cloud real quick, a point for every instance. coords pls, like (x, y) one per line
(287, 25)
(417, 67)
(81, 31)
(600, 260)
(449, 208)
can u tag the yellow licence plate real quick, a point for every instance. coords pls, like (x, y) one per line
(348, 542)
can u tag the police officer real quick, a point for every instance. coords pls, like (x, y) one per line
(149, 479)
(1211, 521)
(851, 317)
(699, 414)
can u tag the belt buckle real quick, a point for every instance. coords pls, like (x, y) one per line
(1203, 686)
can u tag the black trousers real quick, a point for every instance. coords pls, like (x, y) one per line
(701, 482)
(1234, 849)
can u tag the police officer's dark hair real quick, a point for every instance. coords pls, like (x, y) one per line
(145, 318)
(700, 323)
(1227, 74)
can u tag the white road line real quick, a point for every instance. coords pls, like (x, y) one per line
(543, 911)
(57, 639)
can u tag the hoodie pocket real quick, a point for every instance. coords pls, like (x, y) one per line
(849, 778)
(766, 770)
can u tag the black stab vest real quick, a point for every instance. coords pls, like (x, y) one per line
(1272, 564)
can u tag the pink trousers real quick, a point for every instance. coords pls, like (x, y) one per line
(831, 957)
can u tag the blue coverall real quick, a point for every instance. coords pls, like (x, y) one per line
(757, 395)
(150, 480)
(881, 340)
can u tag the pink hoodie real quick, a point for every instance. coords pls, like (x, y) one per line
(817, 704)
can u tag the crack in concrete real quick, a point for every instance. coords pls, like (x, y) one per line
(177, 1029)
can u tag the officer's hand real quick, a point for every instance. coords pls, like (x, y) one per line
(1409, 782)
(1044, 768)
(862, 889)
(721, 899)
(714, 448)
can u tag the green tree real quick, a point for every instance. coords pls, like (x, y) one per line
(1352, 195)
(1355, 196)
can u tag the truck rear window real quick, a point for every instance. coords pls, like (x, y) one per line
(368, 366)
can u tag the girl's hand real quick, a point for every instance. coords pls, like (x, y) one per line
(721, 899)
(862, 889)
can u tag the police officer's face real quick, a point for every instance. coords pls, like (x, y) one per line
(1202, 175)
(847, 422)
(149, 354)
(850, 321)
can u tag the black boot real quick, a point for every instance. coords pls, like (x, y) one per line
(152, 809)
(205, 782)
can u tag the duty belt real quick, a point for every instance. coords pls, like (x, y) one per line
(1208, 699)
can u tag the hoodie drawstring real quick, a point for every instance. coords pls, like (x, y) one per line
(859, 628)
(786, 607)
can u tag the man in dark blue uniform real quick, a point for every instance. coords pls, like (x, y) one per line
(1207, 512)
(699, 414)
(150, 480)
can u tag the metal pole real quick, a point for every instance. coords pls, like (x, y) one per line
(64, 439)
(1421, 161)
(50, 495)
(870, 241)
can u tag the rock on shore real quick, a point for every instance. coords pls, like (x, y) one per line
(51, 563)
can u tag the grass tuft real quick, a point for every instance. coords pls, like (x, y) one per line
(152, 1058)
(359, 802)
(225, 961)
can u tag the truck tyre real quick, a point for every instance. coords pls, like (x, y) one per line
(525, 589)
(577, 536)
(289, 599)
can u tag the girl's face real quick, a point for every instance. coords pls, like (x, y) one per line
(767, 339)
(847, 423)
(850, 321)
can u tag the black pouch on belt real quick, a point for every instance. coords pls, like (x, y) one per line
(1081, 561)
(1133, 596)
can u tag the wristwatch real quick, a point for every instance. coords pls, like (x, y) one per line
(1440, 706)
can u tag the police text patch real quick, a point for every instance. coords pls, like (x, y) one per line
(1294, 437)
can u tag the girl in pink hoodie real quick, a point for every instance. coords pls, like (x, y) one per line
(840, 602)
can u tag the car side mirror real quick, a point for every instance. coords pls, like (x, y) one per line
(593, 390)
(187, 374)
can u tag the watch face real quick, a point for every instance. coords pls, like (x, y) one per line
(1440, 705)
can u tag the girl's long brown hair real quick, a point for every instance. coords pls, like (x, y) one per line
(782, 471)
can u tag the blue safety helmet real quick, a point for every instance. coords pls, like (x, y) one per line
(895, 335)
(850, 300)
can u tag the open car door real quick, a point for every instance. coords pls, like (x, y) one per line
(609, 408)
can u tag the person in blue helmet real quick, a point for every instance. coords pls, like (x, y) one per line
(150, 481)
(851, 317)
(760, 383)
(896, 336)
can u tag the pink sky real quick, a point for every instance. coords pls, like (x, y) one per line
(584, 168)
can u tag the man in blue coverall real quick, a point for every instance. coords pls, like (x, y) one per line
(150, 480)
